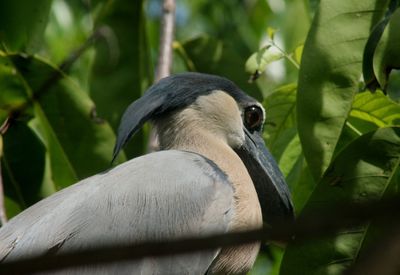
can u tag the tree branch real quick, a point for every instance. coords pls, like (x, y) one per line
(307, 227)
(164, 62)
(3, 216)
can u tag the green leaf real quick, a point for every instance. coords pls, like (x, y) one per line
(13, 92)
(23, 164)
(22, 24)
(280, 125)
(387, 55)
(271, 32)
(267, 262)
(362, 172)
(330, 73)
(259, 60)
(375, 108)
(301, 183)
(281, 113)
(62, 173)
(295, 24)
(86, 139)
(298, 52)
(371, 46)
(12, 208)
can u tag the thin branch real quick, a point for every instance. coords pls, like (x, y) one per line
(164, 62)
(288, 56)
(5, 126)
(307, 227)
(3, 216)
(74, 55)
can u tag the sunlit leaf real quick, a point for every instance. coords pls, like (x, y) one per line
(376, 108)
(271, 32)
(258, 61)
(298, 52)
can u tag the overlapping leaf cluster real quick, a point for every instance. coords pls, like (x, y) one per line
(336, 140)
(61, 97)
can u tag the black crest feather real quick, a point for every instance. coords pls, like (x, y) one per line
(171, 93)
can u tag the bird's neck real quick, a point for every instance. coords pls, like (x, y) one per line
(201, 141)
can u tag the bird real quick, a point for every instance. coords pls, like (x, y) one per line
(211, 174)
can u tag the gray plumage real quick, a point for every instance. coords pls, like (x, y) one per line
(216, 175)
(142, 205)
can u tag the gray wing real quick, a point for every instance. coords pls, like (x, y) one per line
(163, 195)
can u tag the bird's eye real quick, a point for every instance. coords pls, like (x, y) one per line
(253, 118)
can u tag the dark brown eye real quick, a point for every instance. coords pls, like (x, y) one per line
(253, 118)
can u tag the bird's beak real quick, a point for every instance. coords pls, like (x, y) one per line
(273, 192)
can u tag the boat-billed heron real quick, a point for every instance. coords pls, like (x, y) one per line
(213, 174)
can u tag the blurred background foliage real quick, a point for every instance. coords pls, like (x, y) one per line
(68, 70)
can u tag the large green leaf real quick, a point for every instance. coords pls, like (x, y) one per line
(363, 171)
(329, 74)
(22, 24)
(121, 71)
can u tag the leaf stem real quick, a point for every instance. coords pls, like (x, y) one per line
(164, 61)
(288, 56)
(354, 129)
(3, 216)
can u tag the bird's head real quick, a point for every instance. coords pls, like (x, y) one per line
(227, 111)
